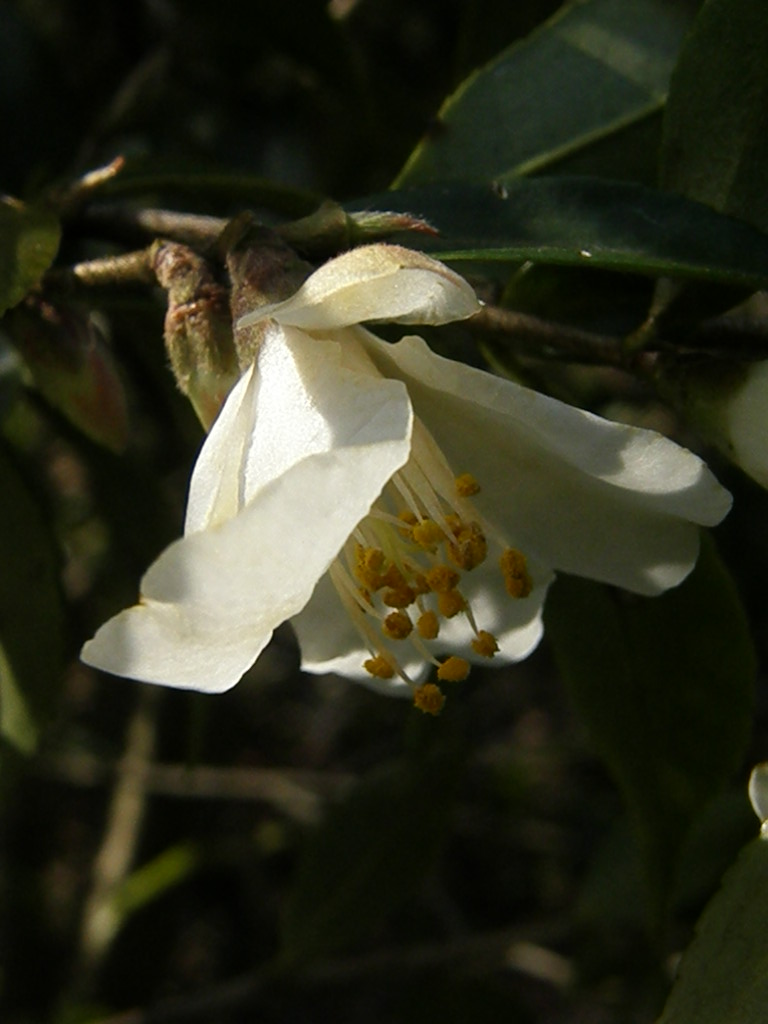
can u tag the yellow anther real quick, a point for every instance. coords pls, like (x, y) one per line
(379, 667)
(427, 534)
(485, 644)
(453, 670)
(397, 626)
(441, 578)
(470, 547)
(514, 569)
(373, 559)
(398, 597)
(369, 563)
(418, 583)
(393, 578)
(450, 603)
(466, 485)
(454, 522)
(428, 626)
(429, 699)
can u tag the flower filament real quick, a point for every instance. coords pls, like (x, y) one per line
(400, 574)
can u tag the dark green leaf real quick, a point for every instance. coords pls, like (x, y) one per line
(204, 187)
(665, 686)
(715, 145)
(595, 68)
(724, 974)
(369, 857)
(29, 239)
(583, 222)
(30, 612)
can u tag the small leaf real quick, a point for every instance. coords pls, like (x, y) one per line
(715, 147)
(16, 725)
(31, 621)
(723, 976)
(368, 858)
(595, 68)
(586, 222)
(665, 687)
(29, 240)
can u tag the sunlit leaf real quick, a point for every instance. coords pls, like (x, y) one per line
(29, 239)
(665, 687)
(583, 222)
(594, 69)
(724, 974)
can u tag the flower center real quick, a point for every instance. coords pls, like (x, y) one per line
(400, 574)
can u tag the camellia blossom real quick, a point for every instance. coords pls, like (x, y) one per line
(404, 511)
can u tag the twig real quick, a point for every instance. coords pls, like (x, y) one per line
(100, 919)
(473, 955)
(542, 337)
(195, 229)
(297, 794)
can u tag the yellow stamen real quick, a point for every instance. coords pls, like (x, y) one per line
(428, 626)
(485, 644)
(450, 604)
(398, 597)
(514, 569)
(369, 563)
(427, 534)
(469, 548)
(441, 578)
(429, 699)
(397, 626)
(453, 670)
(466, 485)
(401, 574)
(379, 667)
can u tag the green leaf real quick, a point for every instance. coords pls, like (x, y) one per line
(368, 858)
(665, 687)
(31, 620)
(715, 146)
(205, 186)
(29, 240)
(613, 225)
(595, 68)
(723, 976)
(147, 883)
(16, 724)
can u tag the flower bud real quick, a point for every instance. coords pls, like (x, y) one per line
(263, 270)
(72, 367)
(331, 229)
(198, 329)
(728, 404)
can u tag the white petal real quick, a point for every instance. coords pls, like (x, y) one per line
(375, 282)
(301, 397)
(574, 491)
(212, 599)
(215, 488)
(746, 423)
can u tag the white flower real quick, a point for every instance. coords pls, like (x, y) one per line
(330, 436)
(740, 423)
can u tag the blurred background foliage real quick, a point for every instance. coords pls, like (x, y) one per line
(299, 848)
